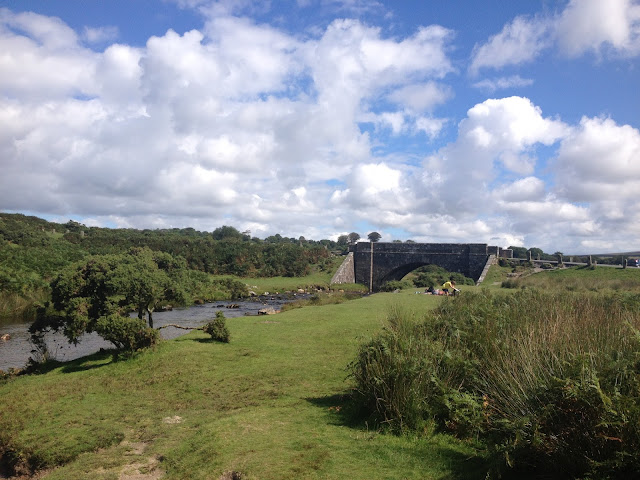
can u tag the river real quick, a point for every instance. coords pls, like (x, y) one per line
(15, 352)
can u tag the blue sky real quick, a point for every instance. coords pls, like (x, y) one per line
(510, 123)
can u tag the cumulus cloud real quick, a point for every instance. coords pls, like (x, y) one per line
(520, 41)
(233, 120)
(595, 25)
(599, 161)
(242, 123)
(584, 25)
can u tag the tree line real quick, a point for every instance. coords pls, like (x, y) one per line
(34, 251)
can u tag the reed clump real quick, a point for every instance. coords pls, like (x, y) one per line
(550, 381)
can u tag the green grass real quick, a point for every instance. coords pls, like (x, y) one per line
(271, 404)
(315, 280)
(584, 278)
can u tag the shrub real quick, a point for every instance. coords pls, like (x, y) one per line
(217, 328)
(550, 381)
(126, 333)
(395, 285)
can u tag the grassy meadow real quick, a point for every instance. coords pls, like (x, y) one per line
(270, 404)
(273, 403)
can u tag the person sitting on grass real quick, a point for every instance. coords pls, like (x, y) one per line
(449, 288)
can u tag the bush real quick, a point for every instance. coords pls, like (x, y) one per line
(217, 328)
(126, 333)
(435, 276)
(550, 381)
(395, 285)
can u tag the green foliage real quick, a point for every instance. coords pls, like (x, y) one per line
(89, 295)
(395, 285)
(374, 237)
(33, 251)
(217, 328)
(227, 233)
(550, 381)
(320, 299)
(435, 276)
(126, 333)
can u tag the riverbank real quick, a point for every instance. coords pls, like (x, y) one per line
(16, 350)
(270, 405)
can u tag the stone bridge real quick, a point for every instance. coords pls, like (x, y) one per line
(374, 264)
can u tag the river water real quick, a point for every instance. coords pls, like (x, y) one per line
(15, 352)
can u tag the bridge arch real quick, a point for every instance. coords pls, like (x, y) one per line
(400, 272)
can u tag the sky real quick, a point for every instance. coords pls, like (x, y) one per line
(499, 122)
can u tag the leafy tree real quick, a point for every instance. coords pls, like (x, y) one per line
(353, 237)
(343, 240)
(143, 283)
(374, 237)
(227, 233)
(95, 295)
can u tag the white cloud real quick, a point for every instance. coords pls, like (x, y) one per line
(430, 126)
(594, 25)
(42, 58)
(502, 83)
(520, 41)
(498, 138)
(599, 161)
(524, 189)
(242, 123)
(100, 34)
(583, 26)
(421, 97)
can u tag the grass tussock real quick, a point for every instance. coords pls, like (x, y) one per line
(549, 380)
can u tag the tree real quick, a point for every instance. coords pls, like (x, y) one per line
(343, 240)
(227, 233)
(96, 295)
(374, 237)
(353, 237)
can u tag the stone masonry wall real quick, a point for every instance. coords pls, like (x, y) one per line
(346, 272)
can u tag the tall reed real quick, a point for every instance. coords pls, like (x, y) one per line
(550, 380)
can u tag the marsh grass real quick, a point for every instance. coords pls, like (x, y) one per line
(21, 305)
(548, 379)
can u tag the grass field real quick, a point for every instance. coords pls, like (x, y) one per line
(270, 404)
